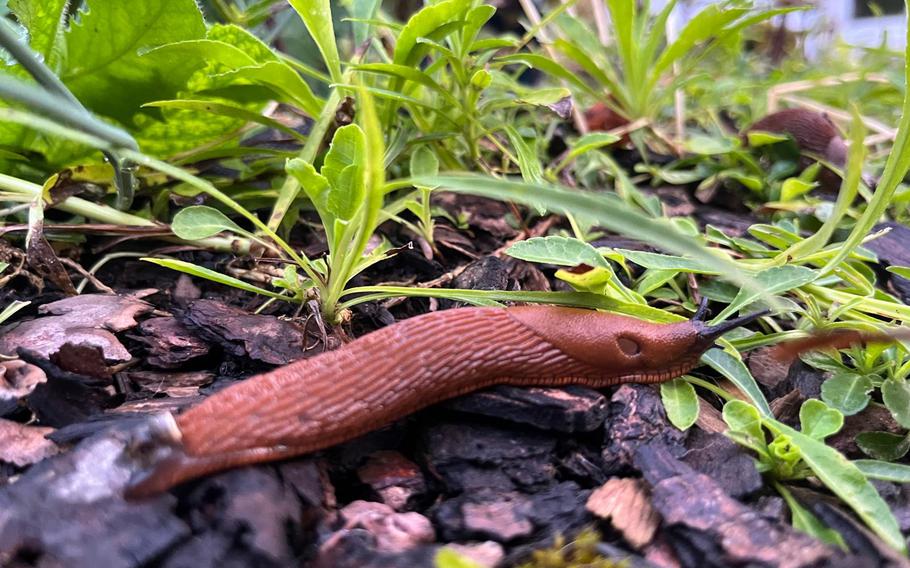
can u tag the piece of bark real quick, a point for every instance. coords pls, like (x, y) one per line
(169, 343)
(396, 480)
(474, 456)
(24, 445)
(637, 418)
(18, 379)
(625, 503)
(394, 532)
(260, 337)
(85, 360)
(175, 385)
(570, 409)
(709, 528)
(501, 516)
(90, 319)
(724, 461)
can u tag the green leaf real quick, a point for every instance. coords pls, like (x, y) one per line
(737, 372)
(875, 469)
(422, 25)
(286, 83)
(775, 280)
(317, 17)
(561, 251)
(201, 272)
(528, 162)
(709, 145)
(611, 213)
(819, 421)
(667, 262)
(11, 309)
(680, 402)
(201, 222)
(847, 392)
(591, 141)
(548, 66)
(795, 187)
(808, 523)
(745, 420)
(758, 138)
(847, 482)
(883, 445)
(45, 21)
(902, 271)
(424, 162)
(315, 185)
(343, 168)
(103, 53)
(896, 396)
(231, 110)
(361, 12)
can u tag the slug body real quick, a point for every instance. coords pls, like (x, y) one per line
(812, 131)
(319, 402)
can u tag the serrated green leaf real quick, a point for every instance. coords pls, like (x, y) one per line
(45, 21)
(103, 53)
(680, 402)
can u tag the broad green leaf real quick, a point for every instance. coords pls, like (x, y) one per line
(896, 396)
(317, 17)
(795, 187)
(45, 21)
(253, 47)
(737, 372)
(847, 482)
(875, 469)
(314, 184)
(680, 402)
(775, 280)
(709, 145)
(424, 162)
(819, 421)
(343, 168)
(197, 52)
(847, 392)
(666, 262)
(193, 270)
(103, 53)
(758, 138)
(201, 222)
(474, 22)
(287, 84)
(231, 110)
(422, 25)
(561, 251)
(409, 74)
(883, 445)
(745, 420)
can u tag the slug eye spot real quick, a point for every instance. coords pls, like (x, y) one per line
(628, 346)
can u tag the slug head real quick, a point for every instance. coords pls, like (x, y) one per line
(625, 347)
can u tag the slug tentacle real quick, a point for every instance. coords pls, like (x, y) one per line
(319, 402)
